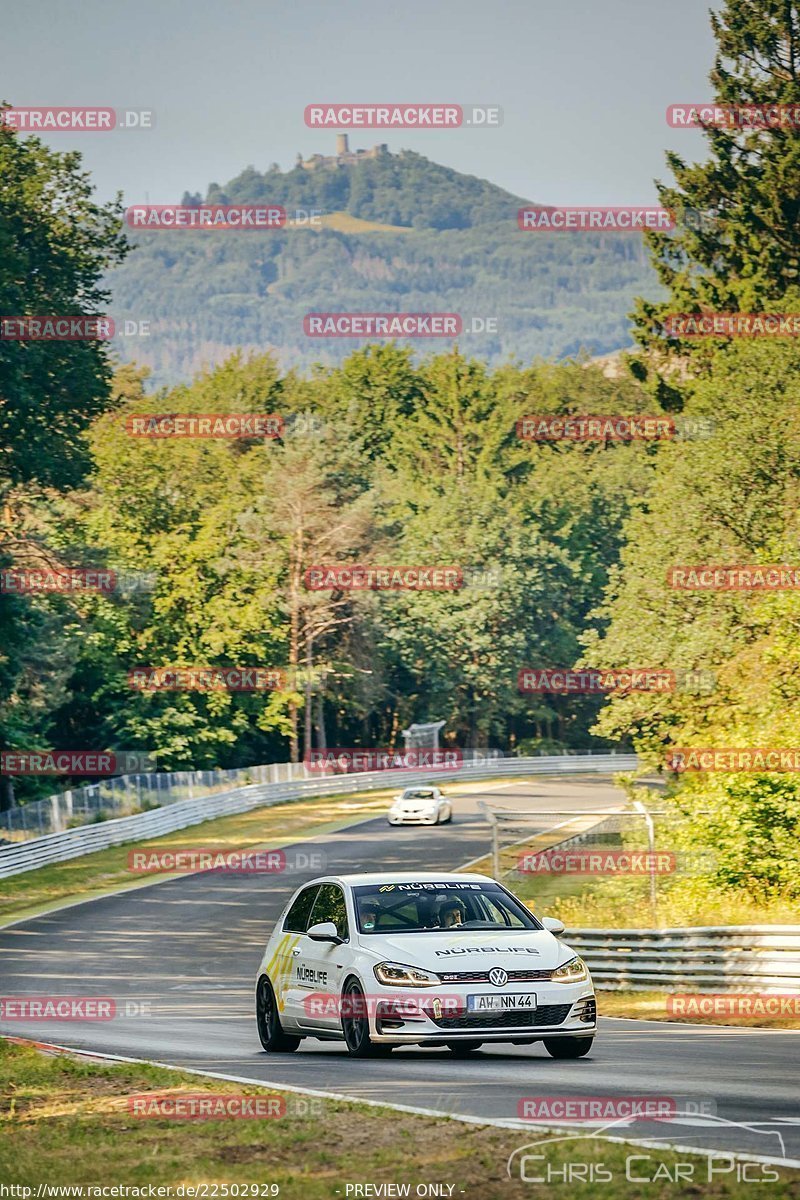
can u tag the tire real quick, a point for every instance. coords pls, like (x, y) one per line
(462, 1049)
(355, 1026)
(568, 1047)
(270, 1030)
(449, 816)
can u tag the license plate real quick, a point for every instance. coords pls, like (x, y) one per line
(501, 1003)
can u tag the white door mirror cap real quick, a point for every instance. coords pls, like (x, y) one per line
(323, 931)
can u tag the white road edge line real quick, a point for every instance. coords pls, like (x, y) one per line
(498, 1122)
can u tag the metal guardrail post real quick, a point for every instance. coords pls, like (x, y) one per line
(651, 842)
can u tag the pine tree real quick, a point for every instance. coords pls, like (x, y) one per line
(737, 243)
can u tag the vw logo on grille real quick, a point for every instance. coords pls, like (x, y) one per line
(498, 977)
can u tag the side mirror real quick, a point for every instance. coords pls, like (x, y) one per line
(553, 924)
(325, 931)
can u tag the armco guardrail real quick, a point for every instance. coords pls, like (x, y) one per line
(705, 958)
(59, 847)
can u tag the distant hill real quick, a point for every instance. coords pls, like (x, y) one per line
(399, 234)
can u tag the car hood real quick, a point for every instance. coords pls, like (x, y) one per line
(414, 804)
(531, 950)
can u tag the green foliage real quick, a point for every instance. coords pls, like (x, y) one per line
(394, 189)
(740, 251)
(207, 295)
(55, 245)
(383, 461)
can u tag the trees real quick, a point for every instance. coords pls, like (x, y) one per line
(55, 245)
(732, 498)
(737, 247)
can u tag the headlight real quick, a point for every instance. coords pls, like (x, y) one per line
(399, 975)
(571, 972)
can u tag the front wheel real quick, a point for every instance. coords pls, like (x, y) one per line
(270, 1030)
(355, 1024)
(566, 1047)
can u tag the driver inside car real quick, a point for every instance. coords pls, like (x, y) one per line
(369, 917)
(451, 912)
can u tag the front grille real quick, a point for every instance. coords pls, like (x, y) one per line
(547, 1014)
(483, 976)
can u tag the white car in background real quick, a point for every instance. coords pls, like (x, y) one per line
(398, 959)
(420, 806)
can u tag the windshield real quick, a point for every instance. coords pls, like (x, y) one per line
(418, 795)
(432, 907)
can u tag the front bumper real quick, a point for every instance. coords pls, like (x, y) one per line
(568, 1009)
(412, 818)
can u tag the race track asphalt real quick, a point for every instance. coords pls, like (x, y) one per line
(183, 953)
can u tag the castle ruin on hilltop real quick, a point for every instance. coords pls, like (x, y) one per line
(344, 156)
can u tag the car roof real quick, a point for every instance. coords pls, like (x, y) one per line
(403, 877)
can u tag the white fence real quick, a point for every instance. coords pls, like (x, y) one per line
(58, 847)
(712, 958)
(125, 795)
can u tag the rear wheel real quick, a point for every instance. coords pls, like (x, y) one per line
(270, 1030)
(462, 1049)
(355, 1024)
(565, 1047)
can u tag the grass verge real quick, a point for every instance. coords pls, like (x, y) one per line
(652, 1006)
(66, 1121)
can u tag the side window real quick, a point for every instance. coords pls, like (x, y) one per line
(330, 906)
(297, 916)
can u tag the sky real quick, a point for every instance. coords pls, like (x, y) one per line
(583, 85)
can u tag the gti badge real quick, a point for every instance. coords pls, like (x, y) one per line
(498, 977)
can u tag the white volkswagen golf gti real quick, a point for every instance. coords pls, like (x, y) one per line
(424, 959)
(420, 806)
